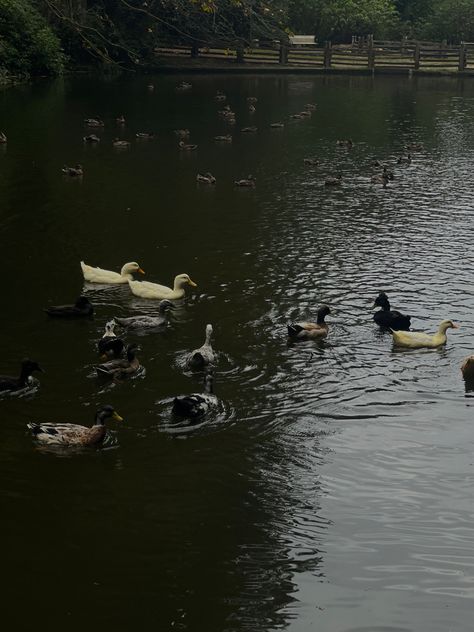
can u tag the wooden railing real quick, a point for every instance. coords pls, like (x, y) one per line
(368, 53)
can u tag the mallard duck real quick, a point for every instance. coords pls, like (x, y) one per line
(73, 172)
(65, 434)
(347, 142)
(8, 383)
(3, 138)
(227, 138)
(91, 138)
(305, 331)
(121, 144)
(196, 404)
(156, 291)
(206, 178)
(202, 357)
(419, 340)
(97, 275)
(249, 181)
(121, 368)
(109, 346)
(467, 368)
(144, 135)
(82, 308)
(149, 322)
(311, 162)
(249, 130)
(94, 122)
(310, 106)
(182, 133)
(382, 179)
(332, 181)
(404, 160)
(387, 317)
(120, 120)
(277, 125)
(184, 147)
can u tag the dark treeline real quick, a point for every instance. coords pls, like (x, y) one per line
(44, 36)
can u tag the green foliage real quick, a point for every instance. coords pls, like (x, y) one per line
(27, 43)
(451, 20)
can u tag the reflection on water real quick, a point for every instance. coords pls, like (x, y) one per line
(332, 485)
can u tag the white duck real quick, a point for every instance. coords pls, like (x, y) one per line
(419, 340)
(97, 275)
(143, 289)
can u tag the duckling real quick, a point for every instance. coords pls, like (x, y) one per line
(94, 122)
(73, 172)
(144, 135)
(91, 138)
(227, 138)
(332, 181)
(120, 120)
(467, 368)
(182, 145)
(305, 331)
(206, 178)
(121, 368)
(196, 404)
(12, 384)
(74, 435)
(249, 181)
(348, 143)
(202, 357)
(121, 144)
(149, 322)
(109, 346)
(249, 130)
(404, 160)
(419, 340)
(82, 308)
(182, 133)
(277, 125)
(3, 138)
(311, 162)
(387, 317)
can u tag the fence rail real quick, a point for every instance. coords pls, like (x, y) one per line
(361, 53)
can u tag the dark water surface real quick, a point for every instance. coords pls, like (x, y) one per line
(332, 489)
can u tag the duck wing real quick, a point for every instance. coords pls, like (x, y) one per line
(66, 434)
(98, 275)
(8, 383)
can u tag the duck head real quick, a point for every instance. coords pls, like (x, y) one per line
(382, 301)
(109, 329)
(106, 412)
(209, 330)
(28, 366)
(445, 325)
(181, 280)
(132, 351)
(323, 311)
(165, 306)
(82, 302)
(130, 268)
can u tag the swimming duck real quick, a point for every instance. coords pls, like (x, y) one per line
(66, 434)
(109, 346)
(387, 317)
(182, 133)
(82, 308)
(121, 368)
(418, 340)
(149, 322)
(332, 181)
(227, 138)
(277, 125)
(249, 130)
(94, 122)
(404, 160)
(121, 144)
(305, 331)
(220, 96)
(206, 178)
(252, 99)
(184, 85)
(310, 107)
(196, 404)
(296, 117)
(97, 275)
(467, 368)
(202, 357)
(347, 142)
(306, 113)
(144, 135)
(3, 138)
(249, 181)
(91, 138)
(8, 383)
(73, 172)
(382, 179)
(184, 147)
(120, 120)
(311, 162)
(156, 291)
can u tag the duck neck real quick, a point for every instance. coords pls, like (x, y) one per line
(385, 306)
(321, 318)
(25, 373)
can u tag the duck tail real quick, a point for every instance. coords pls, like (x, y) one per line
(34, 428)
(293, 329)
(102, 371)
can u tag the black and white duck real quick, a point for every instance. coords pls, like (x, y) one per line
(387, 317)
(121, 368)
(309, 330)
(82, 308)
(110, 346)
(12, 384)
(204, 356)
(149, 322)
(74, 435)
(196, 404)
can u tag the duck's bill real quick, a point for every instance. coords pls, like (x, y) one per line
(455, 326)
(141, 271)
(117, 417)
(192, 283)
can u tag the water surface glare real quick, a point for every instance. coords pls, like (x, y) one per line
(331, 487)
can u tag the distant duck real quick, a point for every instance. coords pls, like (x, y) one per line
(382, 179)
(120, 120)
(306, 113)
(97, 275)
(150, 87)
(404, 160)
(249, 130)
(220, 96)
(332, 181)
(205, 178)
(121, 144)
(310, 106)
(252, 99)
(311, 162)
(277, 125)
(197, 404)
(387, 317)
(347, 142)
(184, 147)
(414, 147)
(109, 345)
(91, 138)
(94, 122)
(121, 368)
(249, 181)
(73, 172)
(3, 138)
(149, 322)
(227, 138)
(144, 135)
(184, 85)
(12, 384)
(418, 340)
(308, 330)
(202, 357)
(182, 133)
(296, 116)
(82, 308)
(156, 291)
(467, 368)
(74, 435)
(252, 108)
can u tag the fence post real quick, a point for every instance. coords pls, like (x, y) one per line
(370, 54)
(283, 57)
(194, 51)
(462, 57)
(416, 56)
(327, 55)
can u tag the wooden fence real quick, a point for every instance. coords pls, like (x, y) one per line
(361, 53)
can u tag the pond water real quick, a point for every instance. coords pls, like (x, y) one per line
(332, 488)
